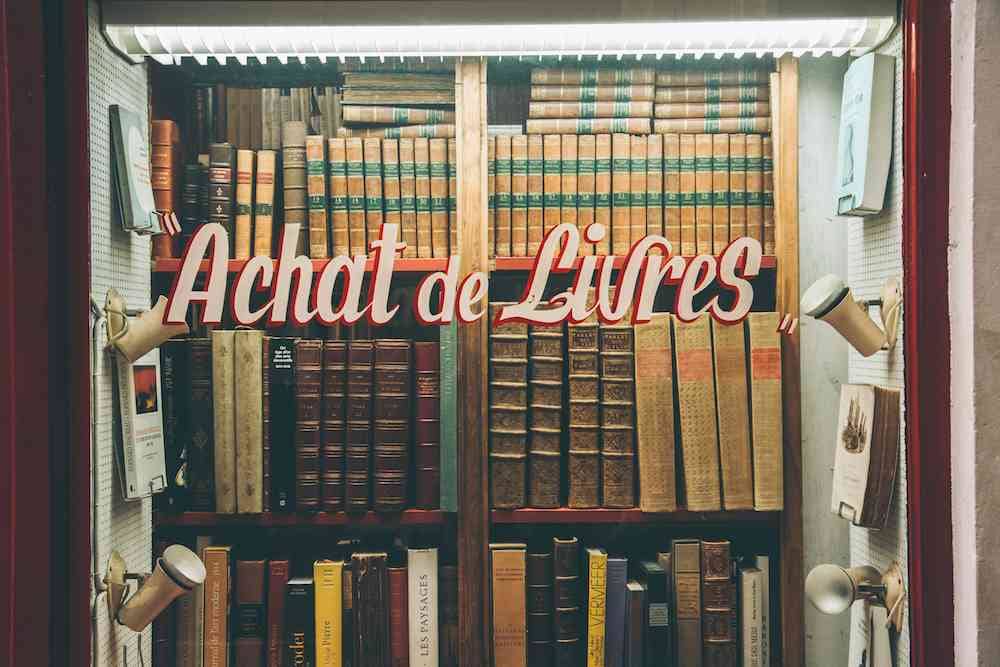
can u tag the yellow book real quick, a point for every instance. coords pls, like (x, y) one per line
(597, 585)
(329, 577)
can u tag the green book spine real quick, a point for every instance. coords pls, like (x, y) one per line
(602, 191)
(654, 184)
(519, 195)
(637, 196)
(502, 195)
(391, 182)
(552, 178)
(449, 417)
(491, 211)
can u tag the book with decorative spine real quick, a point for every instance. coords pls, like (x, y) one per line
(654, 186)
(491, 207)
(654, 397)
(164, 163)
(224, 429)
(602, 191)
(395, 115)
(621, 194)
(308, 417)
(328, 579)
(539, 609)
(244, 200)
(422, 201)
(263, 209)
(373, 189)
(568, 185)
(552, 181)
(357, 453)
(765, 409)
(316, 188)
(566, 601)
(617, 370)
(755, 188)
(430, 131)
(703, 193)
(399, 609)
(519, 195)
(578, 110)
(293, 167)
(391, 182)
(637, 188)
(586, 125)
(767, 194)
(712, 94)
(614, 633)
(585, 159)
(589, 76)
(424, 596)
(429, 407)
(300, 619)
(508, 412)
(277, 585)
(687, 195)
(737, 186)
(370, 609)
(221, 189)
(720, 192)
(333, 427)
(502, 197)
(508, 575)
(438, 156)
(536, 194)
(734, 76)
(337, 167)
(712, 125)
(356, 197)
(696, 402)
(751, 621)
(593, 93)
(732, 410)
(400, 96)
(718, 598)
(248, 362)
(407, 198)
(448, 417)
(584, 448)
(545, 347)
(686, 565)
(217, 593)
(453, 196)
(597, 590)
(391, 423)
(712, 109)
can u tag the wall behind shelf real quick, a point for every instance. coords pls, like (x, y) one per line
(118, 260)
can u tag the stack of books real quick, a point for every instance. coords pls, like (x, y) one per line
(395, 104)
(590, 100)
(724, 99)
(617, 385)
(694, 603)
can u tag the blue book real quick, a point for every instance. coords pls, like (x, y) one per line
(614, 637)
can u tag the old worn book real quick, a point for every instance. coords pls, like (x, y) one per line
(765, 409)
(585, 163)
(637, 189)
(491, 207)
(328, 582)
(658, 617)
(248, 347)
(200, 463)
(453, 197)
(294, 182)
(371, 609)
(391, 425)
(372, 150)
(215, 649)
(635, 619)
(703, 193)
(737, 186)
(686, 562)
(221, 185)
(592, 75)
(250, 629)
(672, 192)
(401, 96)
(423, 596)
(592, 93)
(720, 192)
(712, 109)
(755, 188)
(356, 197)
(597, 589)
(502, 201)
(751, 628)
(536, 194)
(333, 426)
(654, 186)
(767, 194)
(448, 615)
(438, 154)
(567, 606)
(300, 622)
(308, 416)
(391, 80)
(281, 422)
(357, 462)
(435, 130)
(422, 201)
(396, 115)
(713, 125)
(732, 410)
(586, 125)
(277, 585)
(718, 598)
(552, 181)
(407, 198)
(723, 76)
(224, 429)
(539, 609)
(244, 200)
(696, 403)
(602, 191)
(568, 168)
(545, 415)
(654, 396)
(427, 424)
(164, 165)
(579, 110)
(317, 196)
(617, 415)
(338, 207)
(583, 388)
(712, 94)
(614, 645)
(687, 183)
(399, 612)
(263, 207)
(621, 194)
(391, 181)
(866, 459)
(508, 412)
(764, 565)
(507, 568)
(518, 195)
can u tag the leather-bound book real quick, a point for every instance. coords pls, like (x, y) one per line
(508, 412)
(732, 410)
(502, 197)
(720, 192)
(614, 643)
(637, 188)
(541, 651)
(190, 204)
(767, 195)
(737, 186)
(507, 568)
(337, 164)
(243, 218)
(766, 424)
(703, 192)
(567, 621)
(334, 425)
(221, 185)
(586, 160)
(551, 181)
(584, 463)
(355, 151)
(200, 464)
(602, 191)
(755, 187)
(423, 594)
(251, 630)
(568, 166)
(654, 185)
(519, 195)
(371, 609)
(391, 425)
(319, 234)
(391, 182)
(216, 610)
(357, 462)
(635, 619)
(453, 196)
(654, 396)
(281, 423)
(175, 380)
(427, 424)
(223, 397)
(438, 155)
(546, 392)
(657, 630)
(672, 191)
(293, 167)
(300, 623)
(718, 599)
(308, 402)
(407, 198)
(617, 416)
(687, 194)
(597, 592)
(399, 613)
(164, 161)
(448, 615)
(696, 403)
(347, 615)
(248, 366)
(686, 557)
(535, 184)
(263, 206)
(372, 150)
(422, 196)
(277, 585)
(621, 196)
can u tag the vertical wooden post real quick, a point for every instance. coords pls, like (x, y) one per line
(473, 494)
(786, 150)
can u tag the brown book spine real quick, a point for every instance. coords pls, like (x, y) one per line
(546, 385)
(586, 125)
(224, 421)
(356, 197)
(427, 424)
(399, 638)
(686, 560)
(536, 194)
(391, 425)
(568, 199)
(265, 413)
(438, 153)
(718, 596)
(654, 389)
(250, 631)
(621, 197)
(164, 166)
(334, 425)
(712, 109)
(453, 196)
(637, 187)
(231, 125)
(371, 610)
(687, 181)
(246, 118)
(316, 192)
(579, 76)
(617, 416)
(593, 93)
(221, 176)
(711, 94)
(767, 194)
(491, 206)
(293, 168)
(263, 210)
(765, 408)
(372, 149)
(672, 192)
(756, 124)
(703, 193)
(584, 449)
(590, 109)
(519, 195)
(696, 402)
(732, 410)
(539, 609)
(360, 363)
(720, 192)
(201, 464)
(602, 192)
(509, 617)
(712, 77)
(429, 131)
(654, 186)
(755, 188)
(391, 183)
(585, 161)
(551, 182)
(216, 619)
(308, 399)
(422, 175)
(502, 196)
(407, 198)
(337, 165)
(248, 363)
(737, 186)
(244, 202)
(278, 572)
(508, 412)
(393, 115)
(567, 617)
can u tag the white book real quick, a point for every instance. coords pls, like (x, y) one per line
(751, 583)
(249, 426)
(422, 599)
(224, 421)
(764, 565)
(142, 462)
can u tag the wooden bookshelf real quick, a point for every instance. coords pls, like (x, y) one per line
(566, 515)
(414, 517)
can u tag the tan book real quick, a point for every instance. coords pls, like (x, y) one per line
(356, 197)
(390, 182)
(244, 201)
(712, 125)
(590, 109)
(394, 115)
(502, 198)
(439, 197)
(590, 93)
(586, 155)
(224, 422)
(654, 186)
(552, 182)
(688, 195)
(767, 195)
(263, 213)
(586, 125)
(737, 186)
(686, 576)
(407, 197)
(432, 131)
(720, 192)
(293, 167)
(568, 168)
(508, 577)
(373, 189)
(602, 191)
(654, 397)
(337, 163)
(712, 109)
(390, 80)
(696, 402)
(519, 195)
(422, 177)
(589, 76)
(691, 94)
(732, 410)
(508, 411)
(736, 76)
(617, 415)
(536, 194)
(583, 389)
(453, 196)
(621, 194)
(248, 347)
(637, 187)
(401, 96)
(216, 609)
(755, 188)
(316, 190)
(765, 410)
(703, 193)
(672, 191)
(491, 200)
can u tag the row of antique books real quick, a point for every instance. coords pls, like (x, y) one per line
(699, 191)
(566, 606)
(399, 104)
(665, 414)
(359, 607)
(254, 423)
(640, 100)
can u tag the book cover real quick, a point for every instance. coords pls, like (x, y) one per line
(732, 411)
(718, 598)
(132, 172)
(371, 609)
(372, 152)
(654, 185)
(585, 175)
(503, 184)
(602, 191)
(429, 413)
(597, 588)
(308, 406)
(277, 585)
(755, 188)
(223, 397)
(422, 202)
(687, 184)
(568, 185)
(438, 156)
(201, 464)
(250, 633)
(518, 195)
(720, 192)
(539, 609)
(593, 93)
(615, 628)
(399, 612)
(654, 393)
(422, 595)
(765, 410)
(621, 194)
(244, 200)
(696, 403)
(551, 181)
(637, 188)
(360, 363)
(248, 361)
(263, 208)
(712, 94)
(328, 582)
(686, 561)
(536, 194)
(703, 193)
(216, 606)
(566, 600)
(737, 186)
(391, 423)
(281, 423)
(294, 182)
(407, 198)
(354, 150)
(767, 195)
(141, 458)
(509, 606)
(317, 196)
(333, 425)
(617, 416)
(300, 636)
(658, 630)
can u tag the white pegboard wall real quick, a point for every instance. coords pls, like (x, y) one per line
(120, 260)
(874, 253)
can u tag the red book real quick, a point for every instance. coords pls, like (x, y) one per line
(277, 582)
(399, 637)
(427, 424)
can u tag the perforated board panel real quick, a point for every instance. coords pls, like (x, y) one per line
(874, 253)
(120, 260)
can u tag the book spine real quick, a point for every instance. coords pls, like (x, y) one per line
(686, 560)
(545, 415)
(591, 75)
(737, 186)
(574, 110)
(248, 362)
(586, 125)
(536, 194)
(765, 409)
(711, 94)
(250, 630)
(334, 424)
(263, 210)
(224, 421)
(584, 448)
(767, 194)
(635, 618)
(703, 193)
(756, 124)
(509, 608)
(175, 380)
(360, 362)
(277, 585)
(617, 575)
(393, 115)
(300, 637)
(654, 389)
(356, 197)
(265, 413)
(399, 640)
(164, 626)
(407, 198)
(654, 186)
(391, 182)
(428, 131)
(372, 151)
(658, 630)
(712, 77)
(339, 235)
(371, 609)
(502, 198)
(539, 609)
(637, 189)
(347, 616)
(593, 93)
(221, 176)
(508, 412)
(187, 652)
(688, 195)
(491, 212)
(328, 578)
(602, 192)
(621, 194)
(246, 118)
(294, 182)
(585, 161)
(391, 422)
(422, 596)
(422, 174)
(448, 427)
(438, 153)
(308, 399)
(519, 195)
(755, 188)
(568, 167)
(712, 110)
(282, 414)
(751, 603)
(201, 464)
(244, 200)
(732, 410)
(597, 589)
(720, 192)
(317, 202)
(356, 96)
(617, 415)
(453, 248)
(551, 182)
(718, 595)
(216, 646)
(231, 122)
(164, 163)
(189, 217)
(429, 413)
(672, 192)
(764, 565)
(566, 601)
